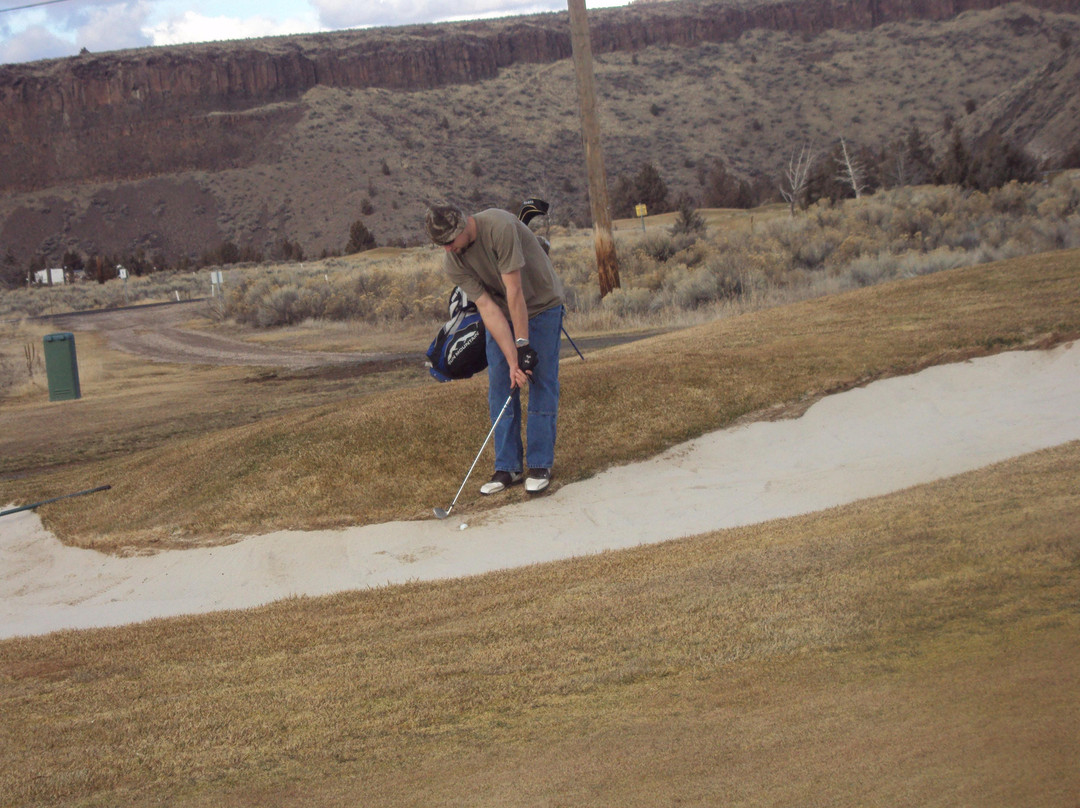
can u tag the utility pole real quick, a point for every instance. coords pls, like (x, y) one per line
(607, 262)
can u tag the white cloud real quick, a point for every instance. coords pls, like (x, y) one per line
(349, 14)
(104, 25)
(62, 30)
(30, 44)
(193, 27)
(112, 27)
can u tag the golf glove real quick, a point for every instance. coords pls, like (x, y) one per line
(527, 358)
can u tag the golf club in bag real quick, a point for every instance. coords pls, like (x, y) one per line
(439, 512)
(531, 208)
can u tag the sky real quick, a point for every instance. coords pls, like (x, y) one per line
(53, 28)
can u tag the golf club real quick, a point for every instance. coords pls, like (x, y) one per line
(530, 209)
(576, 348)
(55, 499)
(533, 207)
(439, 512)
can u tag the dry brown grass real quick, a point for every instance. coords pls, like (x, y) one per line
(129, 405)
(22, 358)
(378, 456)
(917, 649)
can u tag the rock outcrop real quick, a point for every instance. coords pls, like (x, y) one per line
(136, 114)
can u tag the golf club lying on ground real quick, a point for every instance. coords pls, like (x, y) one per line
(439, 512)
(55, 499)
(576, 348)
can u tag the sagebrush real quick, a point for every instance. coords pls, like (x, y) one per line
(669, 275)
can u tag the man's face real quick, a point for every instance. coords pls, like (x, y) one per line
(459, 244)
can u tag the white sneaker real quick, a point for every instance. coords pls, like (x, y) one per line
(537, 480)
(500, 481)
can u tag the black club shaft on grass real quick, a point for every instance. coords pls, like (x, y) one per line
(55, 499)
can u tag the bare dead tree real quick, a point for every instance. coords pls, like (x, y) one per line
(797, 177)
(852, 171)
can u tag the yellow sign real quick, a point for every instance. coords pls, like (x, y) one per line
(639, 210)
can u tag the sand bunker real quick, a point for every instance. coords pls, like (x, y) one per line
(874, 440)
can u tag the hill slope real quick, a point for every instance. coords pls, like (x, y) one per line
(172, 151)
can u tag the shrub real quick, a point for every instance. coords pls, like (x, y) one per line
(360, 238)
(693, 288)
(668, 278)
(689, 221)
(663, 247)
(943, 258)
(625, 302)
(646, 187)
(812, 251)
(658, 246)
(869, 270)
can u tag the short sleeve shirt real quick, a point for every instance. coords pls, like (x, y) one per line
(504, 244)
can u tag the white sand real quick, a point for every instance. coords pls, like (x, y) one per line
(885, 437)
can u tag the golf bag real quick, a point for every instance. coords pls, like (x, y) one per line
(459, 350)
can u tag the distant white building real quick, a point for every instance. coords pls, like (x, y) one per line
(50, 277)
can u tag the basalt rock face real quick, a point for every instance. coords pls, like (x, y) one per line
(136, 114)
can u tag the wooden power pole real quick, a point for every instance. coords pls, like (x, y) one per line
(607, 262)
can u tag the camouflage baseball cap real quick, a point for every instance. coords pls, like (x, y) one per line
(444, 223)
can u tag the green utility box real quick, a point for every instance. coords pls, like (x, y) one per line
(62, 367)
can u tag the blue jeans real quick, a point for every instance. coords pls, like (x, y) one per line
(544, 337)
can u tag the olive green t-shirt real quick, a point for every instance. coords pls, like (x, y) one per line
(505, 244)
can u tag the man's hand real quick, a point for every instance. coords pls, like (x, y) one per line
(527, 358)
(518, 377)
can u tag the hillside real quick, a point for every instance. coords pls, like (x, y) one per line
(172, 151)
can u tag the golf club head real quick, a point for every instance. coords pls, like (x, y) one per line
(439, 512)
(533, 207)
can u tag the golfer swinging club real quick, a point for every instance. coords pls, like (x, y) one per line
(501, 266)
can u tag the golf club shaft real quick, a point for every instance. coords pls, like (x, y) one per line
(55, 499)
(576, 348)
(482, 447)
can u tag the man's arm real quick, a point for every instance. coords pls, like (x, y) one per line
(496, 324)
(515, 301)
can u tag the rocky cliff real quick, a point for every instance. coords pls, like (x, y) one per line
(168, 153)
(140, 113)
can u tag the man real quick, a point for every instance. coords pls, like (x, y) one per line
(501, 266)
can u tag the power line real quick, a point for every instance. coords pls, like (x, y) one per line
(32, 5)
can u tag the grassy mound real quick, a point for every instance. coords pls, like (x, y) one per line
(395, 454)
(917, 648)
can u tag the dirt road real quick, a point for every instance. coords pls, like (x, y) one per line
(161, 333)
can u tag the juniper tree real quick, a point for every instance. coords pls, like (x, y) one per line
(360, 238)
